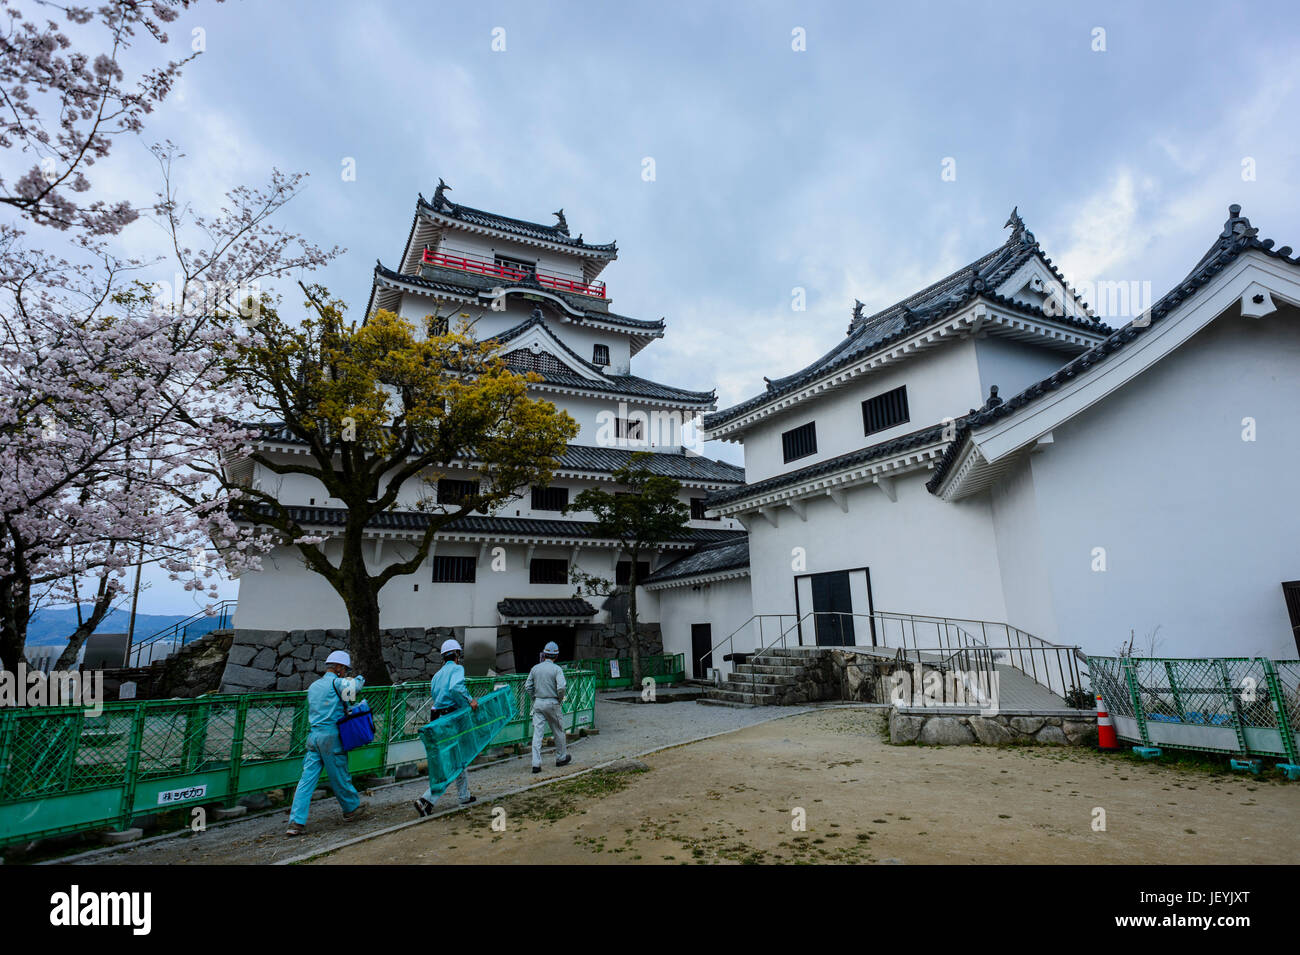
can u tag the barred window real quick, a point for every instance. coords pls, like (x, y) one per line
(452, 491)
(800, 442)
(516, 265)
(627, 428)
(454, 570)
(885, 411)
(550, 498)
(547, 570)
(600, 355)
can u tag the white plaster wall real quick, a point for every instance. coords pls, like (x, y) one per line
(943, 382)
(285, 595)
(1200, 527)
(1026, 583)
(925, 556)
(724, 604)
(1013, 366)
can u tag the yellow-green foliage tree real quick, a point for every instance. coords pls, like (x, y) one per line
(383, 408)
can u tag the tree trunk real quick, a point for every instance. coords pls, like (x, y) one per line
(15, 609)
(360, 596)
(103, 603)
(634, 636)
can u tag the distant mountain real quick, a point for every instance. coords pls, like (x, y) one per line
(52, 627)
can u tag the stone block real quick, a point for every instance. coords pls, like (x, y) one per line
(1051, 735)
(903, 728)
(407, 771)
(265, 659)
(285, 667)
(946, 731)
(228, 812)
(1029, 725)
(247, 677)
(241, 655)
(255, 801)
(290, 683)
(990, 731)
(1080, 732)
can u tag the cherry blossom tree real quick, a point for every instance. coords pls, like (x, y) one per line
(61, 108)
(112, 387)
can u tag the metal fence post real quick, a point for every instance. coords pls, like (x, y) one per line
(1279, 706)
(1135, 696)
(237, 744)
(132, 765)
(1233, 709)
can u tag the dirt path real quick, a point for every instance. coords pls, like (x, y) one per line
(730, 799)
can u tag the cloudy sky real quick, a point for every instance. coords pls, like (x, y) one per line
(1122, 131)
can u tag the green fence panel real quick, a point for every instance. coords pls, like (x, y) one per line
(1244, 706)
(63, 770)
(666, 668)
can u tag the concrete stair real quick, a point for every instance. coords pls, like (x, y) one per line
(764, 679)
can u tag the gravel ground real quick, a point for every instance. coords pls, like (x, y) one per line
(625, 729)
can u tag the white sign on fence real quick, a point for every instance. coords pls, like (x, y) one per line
(613, 669)
(182, 795)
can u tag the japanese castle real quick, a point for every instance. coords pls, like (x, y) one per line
(536, 290)
(988, 451)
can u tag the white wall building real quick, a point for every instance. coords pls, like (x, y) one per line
(535, 289)
(1114, 483)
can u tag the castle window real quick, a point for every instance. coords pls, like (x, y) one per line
(521, 359)
(452, 492)
(627, 428)
(697, 510)
(516, 265)
(600, 355)
(454, 570)
(623, 572)
(885, 411)
(550, 498)
(799, 442)
(547, 570)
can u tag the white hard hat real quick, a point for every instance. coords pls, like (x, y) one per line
(339, 656)
(552, 649)
(450, 646)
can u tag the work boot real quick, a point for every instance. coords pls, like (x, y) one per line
(466, 802)
(355, 814)
(537, 769)
(423, 807)
(564, 762)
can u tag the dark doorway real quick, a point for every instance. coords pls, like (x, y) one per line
(1291, 591)
(701, 650)
(833, 604)
(528, 643)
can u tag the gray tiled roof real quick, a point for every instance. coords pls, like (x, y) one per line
(884, 449)
(870, 333)
(681, 465)
(618, 384)
(709, 559)
(533, 230)
(1238, 236)
(477, 524)
(545, 607)
(676, 463)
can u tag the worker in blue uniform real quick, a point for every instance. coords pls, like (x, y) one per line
(324, 748)
(449, 694)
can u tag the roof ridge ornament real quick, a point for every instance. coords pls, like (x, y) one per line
(1238, 228)
(561, 225)
(1017, 226)
(438, 198)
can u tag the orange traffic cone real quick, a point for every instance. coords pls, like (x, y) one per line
(1106, 738)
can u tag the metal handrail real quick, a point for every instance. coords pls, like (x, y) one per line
(1022, 650)
(221, 612)
(468, 262)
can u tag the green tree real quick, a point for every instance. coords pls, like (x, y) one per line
(644, 516)
(383, 409)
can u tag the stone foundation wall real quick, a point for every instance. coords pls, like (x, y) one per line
(193, 670)
(266, 660)
(952, 727)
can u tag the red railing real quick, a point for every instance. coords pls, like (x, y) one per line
(481, 266)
